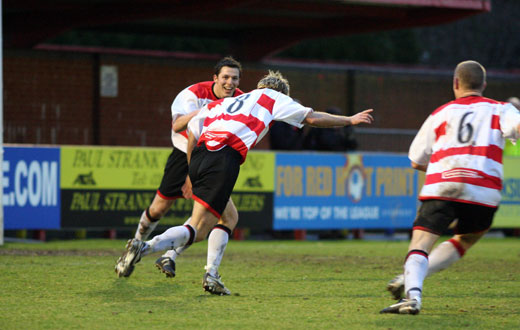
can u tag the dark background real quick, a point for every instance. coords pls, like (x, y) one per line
(491, 38)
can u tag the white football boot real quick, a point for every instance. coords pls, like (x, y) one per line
(126, 263)
(404, 306)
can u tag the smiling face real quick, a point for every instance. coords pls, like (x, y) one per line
(226, 82)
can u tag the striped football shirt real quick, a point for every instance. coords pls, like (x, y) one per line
(191, 99)
(241, 122)
(462, 143)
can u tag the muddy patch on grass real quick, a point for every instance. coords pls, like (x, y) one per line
(61, 253)
(74, 252)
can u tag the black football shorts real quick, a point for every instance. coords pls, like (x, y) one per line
(174, 176)
(436, 216)
(213, 175)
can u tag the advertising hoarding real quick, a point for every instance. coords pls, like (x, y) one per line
(341, 191)
(31, 188)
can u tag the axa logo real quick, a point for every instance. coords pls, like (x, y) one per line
(253, 182)
(85, 179)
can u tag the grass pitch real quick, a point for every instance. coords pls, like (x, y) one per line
(274, 284)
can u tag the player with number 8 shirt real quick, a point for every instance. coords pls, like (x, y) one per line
(219, 138)
(186, 105)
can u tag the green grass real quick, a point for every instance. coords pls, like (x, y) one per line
(275, 284)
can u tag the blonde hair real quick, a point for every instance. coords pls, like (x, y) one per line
(471, 74)
(275, 81)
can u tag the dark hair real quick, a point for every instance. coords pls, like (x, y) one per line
(229, 62)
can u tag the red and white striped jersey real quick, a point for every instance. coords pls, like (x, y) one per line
(241, 122)
(190, 99)
(462, 144)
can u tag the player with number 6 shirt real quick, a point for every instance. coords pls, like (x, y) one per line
(460, 148)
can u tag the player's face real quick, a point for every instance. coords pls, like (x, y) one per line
(226, 82)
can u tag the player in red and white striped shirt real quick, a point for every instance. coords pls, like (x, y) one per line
(220, 137)
(224, 132)
(186, 105)
(460, 148)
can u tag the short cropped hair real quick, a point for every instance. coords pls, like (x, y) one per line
(229, 62)
(274, 80)
(514, 101)
(471, 74)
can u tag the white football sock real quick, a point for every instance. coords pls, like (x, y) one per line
(171, 239)
(173, 254)
(415, 269)
(444, 255)
(145, 227)
(217, 242)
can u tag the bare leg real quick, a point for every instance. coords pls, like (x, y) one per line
(441, 257)
(151, 216)
(202, 220)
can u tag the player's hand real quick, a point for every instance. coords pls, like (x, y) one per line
(186, 188)
(363, 117)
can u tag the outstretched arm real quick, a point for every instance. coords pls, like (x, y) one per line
(323, 119)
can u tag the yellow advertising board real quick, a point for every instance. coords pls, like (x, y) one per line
(111, 186)
(257, 173)
(112, 167)
(142, 169)
(511, 149)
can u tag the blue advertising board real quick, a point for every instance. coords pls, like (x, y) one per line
(31, 188)
(344, 191)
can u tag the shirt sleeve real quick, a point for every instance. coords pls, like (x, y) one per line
(509, 121)
(287, 110)
(185, 103)
(421, 147)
